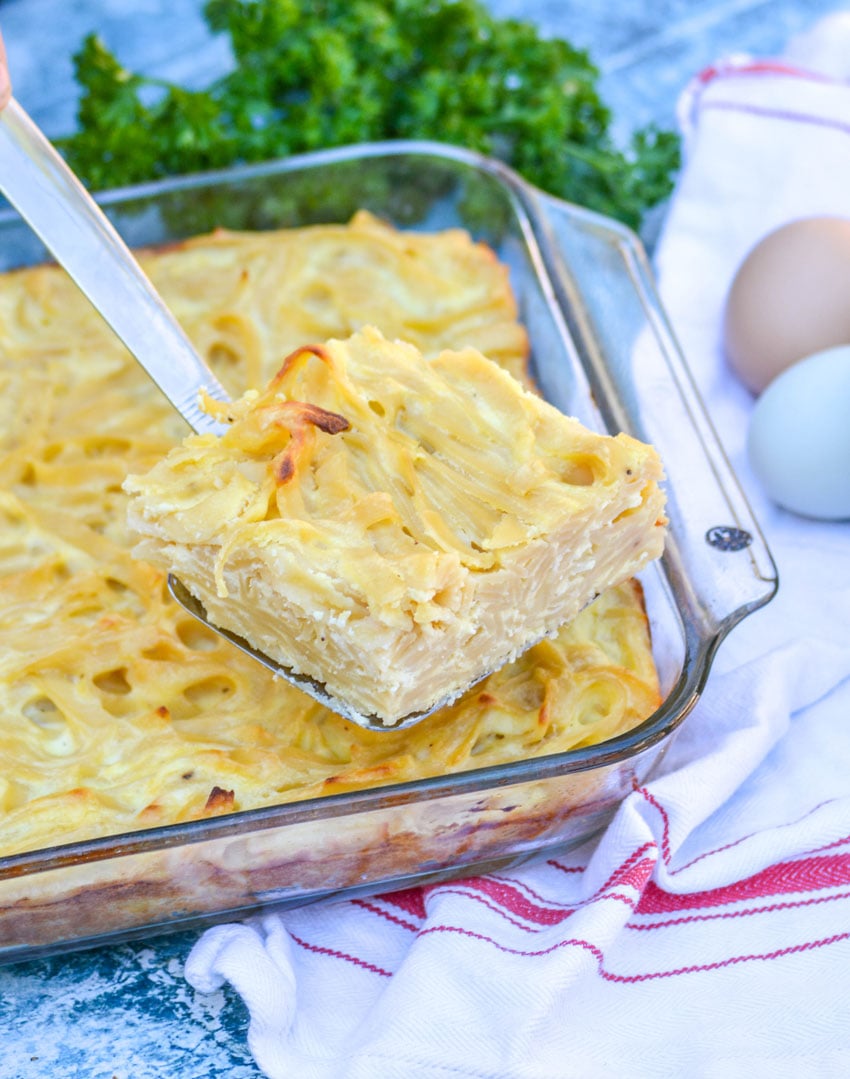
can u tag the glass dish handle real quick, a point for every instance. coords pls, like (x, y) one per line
(717, 558)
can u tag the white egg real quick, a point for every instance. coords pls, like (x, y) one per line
(799, 436)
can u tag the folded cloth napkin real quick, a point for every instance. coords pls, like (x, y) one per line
(707, 932)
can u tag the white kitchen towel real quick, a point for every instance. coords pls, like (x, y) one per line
(707, 932)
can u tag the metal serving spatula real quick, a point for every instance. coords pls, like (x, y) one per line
(50, 198)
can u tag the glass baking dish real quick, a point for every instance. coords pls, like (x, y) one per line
(601, 350)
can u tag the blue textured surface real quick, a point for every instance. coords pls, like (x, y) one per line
(123, 1012)
(126, 1011)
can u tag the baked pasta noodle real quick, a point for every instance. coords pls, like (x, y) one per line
(117, 710)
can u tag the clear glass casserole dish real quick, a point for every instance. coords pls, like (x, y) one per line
(602, 351)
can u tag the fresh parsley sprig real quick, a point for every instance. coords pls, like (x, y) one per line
(318, 73)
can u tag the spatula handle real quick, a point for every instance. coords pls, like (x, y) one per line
(50, 198)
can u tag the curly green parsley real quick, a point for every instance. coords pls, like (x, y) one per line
(318, 73)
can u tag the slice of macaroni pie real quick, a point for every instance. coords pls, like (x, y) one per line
(396, 527)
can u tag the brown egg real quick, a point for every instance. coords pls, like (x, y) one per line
(789, 299)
